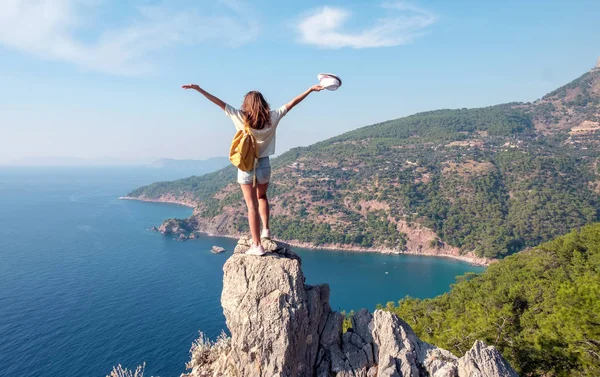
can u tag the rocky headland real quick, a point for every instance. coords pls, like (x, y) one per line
(418, 242)
(280, 326)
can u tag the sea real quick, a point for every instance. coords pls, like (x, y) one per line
(85, 285)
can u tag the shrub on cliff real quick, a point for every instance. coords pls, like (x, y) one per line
(119, 371)
(205, 352)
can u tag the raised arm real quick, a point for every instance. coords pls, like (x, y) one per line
(315, 88)
(206, 94)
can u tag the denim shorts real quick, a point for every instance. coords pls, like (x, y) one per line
(263, 173)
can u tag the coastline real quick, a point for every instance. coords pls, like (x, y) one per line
(182, 203)
(473, 260)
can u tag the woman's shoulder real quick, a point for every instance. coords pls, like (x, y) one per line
(232, 111)
(280, 109)
(278, 113)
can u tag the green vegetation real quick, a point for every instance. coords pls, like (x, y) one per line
(347, 323)
(540, 308)
(200, 188)
(502, 120)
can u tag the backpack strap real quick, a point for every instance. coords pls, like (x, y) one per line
(247, 129)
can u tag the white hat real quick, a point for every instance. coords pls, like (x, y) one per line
(329, 81)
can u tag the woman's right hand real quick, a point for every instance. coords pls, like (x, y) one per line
(191, 86)
(317, 88)
(206, 94)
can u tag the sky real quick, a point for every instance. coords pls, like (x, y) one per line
(102, 78)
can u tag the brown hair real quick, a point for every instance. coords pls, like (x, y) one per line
(256, 110)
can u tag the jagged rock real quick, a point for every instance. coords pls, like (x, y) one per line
(172, 226)
(332, 333)
(274, 319)
(282, 327)
(330, 342)
(217, 249)
(484, 361)
(400, 353)
(350, 355)
(361, 324)
(182, 237)
(359, 353)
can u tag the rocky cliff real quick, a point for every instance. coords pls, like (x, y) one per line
(281, 326)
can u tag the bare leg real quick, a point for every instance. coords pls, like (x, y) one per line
(263, 203)
(251, 199)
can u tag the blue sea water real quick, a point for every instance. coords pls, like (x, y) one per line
(84, 285)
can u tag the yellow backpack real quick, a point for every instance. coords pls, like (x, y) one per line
(244, 150)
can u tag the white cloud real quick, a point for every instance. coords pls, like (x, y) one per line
(55, 30)
(323, 27)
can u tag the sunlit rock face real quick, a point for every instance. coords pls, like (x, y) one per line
(282, 327)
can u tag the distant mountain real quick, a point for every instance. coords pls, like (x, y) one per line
(488, 181)
(197, 167)
(208, 165)
(72, 161)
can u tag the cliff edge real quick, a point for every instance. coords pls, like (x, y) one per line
(281, 326)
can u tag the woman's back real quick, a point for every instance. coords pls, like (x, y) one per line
(265, 137)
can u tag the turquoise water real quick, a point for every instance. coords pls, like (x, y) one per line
(84, 285)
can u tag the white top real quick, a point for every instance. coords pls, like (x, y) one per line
(265, 138)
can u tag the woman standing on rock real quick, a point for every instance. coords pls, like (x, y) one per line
(256, 113)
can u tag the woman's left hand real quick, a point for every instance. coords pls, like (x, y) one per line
(191, 86)
(317, 88)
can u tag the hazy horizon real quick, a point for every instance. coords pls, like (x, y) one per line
(88, 80)
(105, 161)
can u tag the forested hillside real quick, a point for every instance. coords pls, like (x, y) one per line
(540, 308)
(490, 181)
